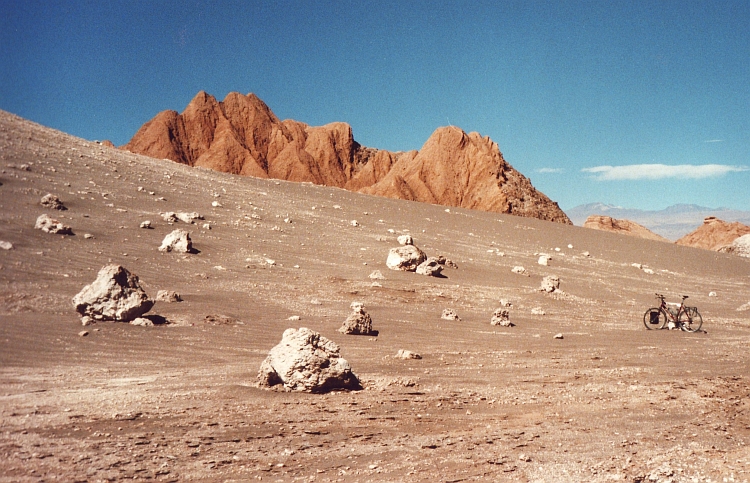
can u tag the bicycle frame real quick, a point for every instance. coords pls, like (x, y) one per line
(683, 318)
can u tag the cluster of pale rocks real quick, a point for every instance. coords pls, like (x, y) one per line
(116, 295)
(409, 258)
(304, 360)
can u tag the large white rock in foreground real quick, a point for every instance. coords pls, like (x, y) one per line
(306, 361)
(116, 294)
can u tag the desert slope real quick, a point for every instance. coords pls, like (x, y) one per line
(241, 135)
(610, 401)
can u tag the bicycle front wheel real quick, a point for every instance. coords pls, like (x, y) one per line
(690, 320)
(654, 318)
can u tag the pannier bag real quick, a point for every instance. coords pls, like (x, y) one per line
(653, 318)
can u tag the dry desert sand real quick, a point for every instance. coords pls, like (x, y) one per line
(610, 401)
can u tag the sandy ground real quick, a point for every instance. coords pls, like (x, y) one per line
(611, 401)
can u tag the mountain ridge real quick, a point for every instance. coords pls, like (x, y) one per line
(672, 222)
(241, 135)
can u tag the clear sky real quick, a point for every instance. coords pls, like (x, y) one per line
(641, 104)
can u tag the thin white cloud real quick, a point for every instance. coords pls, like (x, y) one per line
(550, 170)
(661, 171)
(714, 141)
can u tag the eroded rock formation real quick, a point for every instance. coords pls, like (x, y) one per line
(623, 227)
(714, 234)
(241, 135)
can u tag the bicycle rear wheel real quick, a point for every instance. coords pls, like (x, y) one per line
(690, 320)
(654, 318)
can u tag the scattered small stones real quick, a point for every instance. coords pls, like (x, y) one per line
(216, 204)
(177, 241)
(405, 354)
(544, 260)
(505, 303)
(376, 275)
(116, 295)
(538, 311)
(743, 307)
(354, 223)
(712, 294)
(168, 296)
(359, 322)
(86, 321)
(586, 254)
(294, 318)
(405, 240)
(50, 225)
(83, 333)
(550, 283)
(306, 361)
(520, 270)
(146, 225)
(501, 317)
(406, 258)
(6, 245)
(430, 267)
(51, 201)
(88, 236)
(206, 226)
(558, 336)
(450, 314)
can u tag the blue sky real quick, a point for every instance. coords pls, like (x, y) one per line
(641, 104)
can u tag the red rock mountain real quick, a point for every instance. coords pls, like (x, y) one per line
(241, 135)
(714, 234)
(623, 227)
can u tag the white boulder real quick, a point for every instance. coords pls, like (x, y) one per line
(306, 361)
(406, 258)
(50, 225)
(116, 295)
(430, 267)
(177, 241)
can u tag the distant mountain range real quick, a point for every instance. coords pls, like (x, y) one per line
(672, 222)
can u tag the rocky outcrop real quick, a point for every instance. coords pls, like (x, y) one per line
(714, 234)
(116, 295)
(623, 227)
(430, 267)
(177, 241)
(358, 322)
(52, 201)
(406, 258)
(501, 317)
(50, 225)
(241, 135)
(741, 247)
(306, 361)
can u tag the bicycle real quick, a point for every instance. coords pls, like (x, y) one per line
(684, 317)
